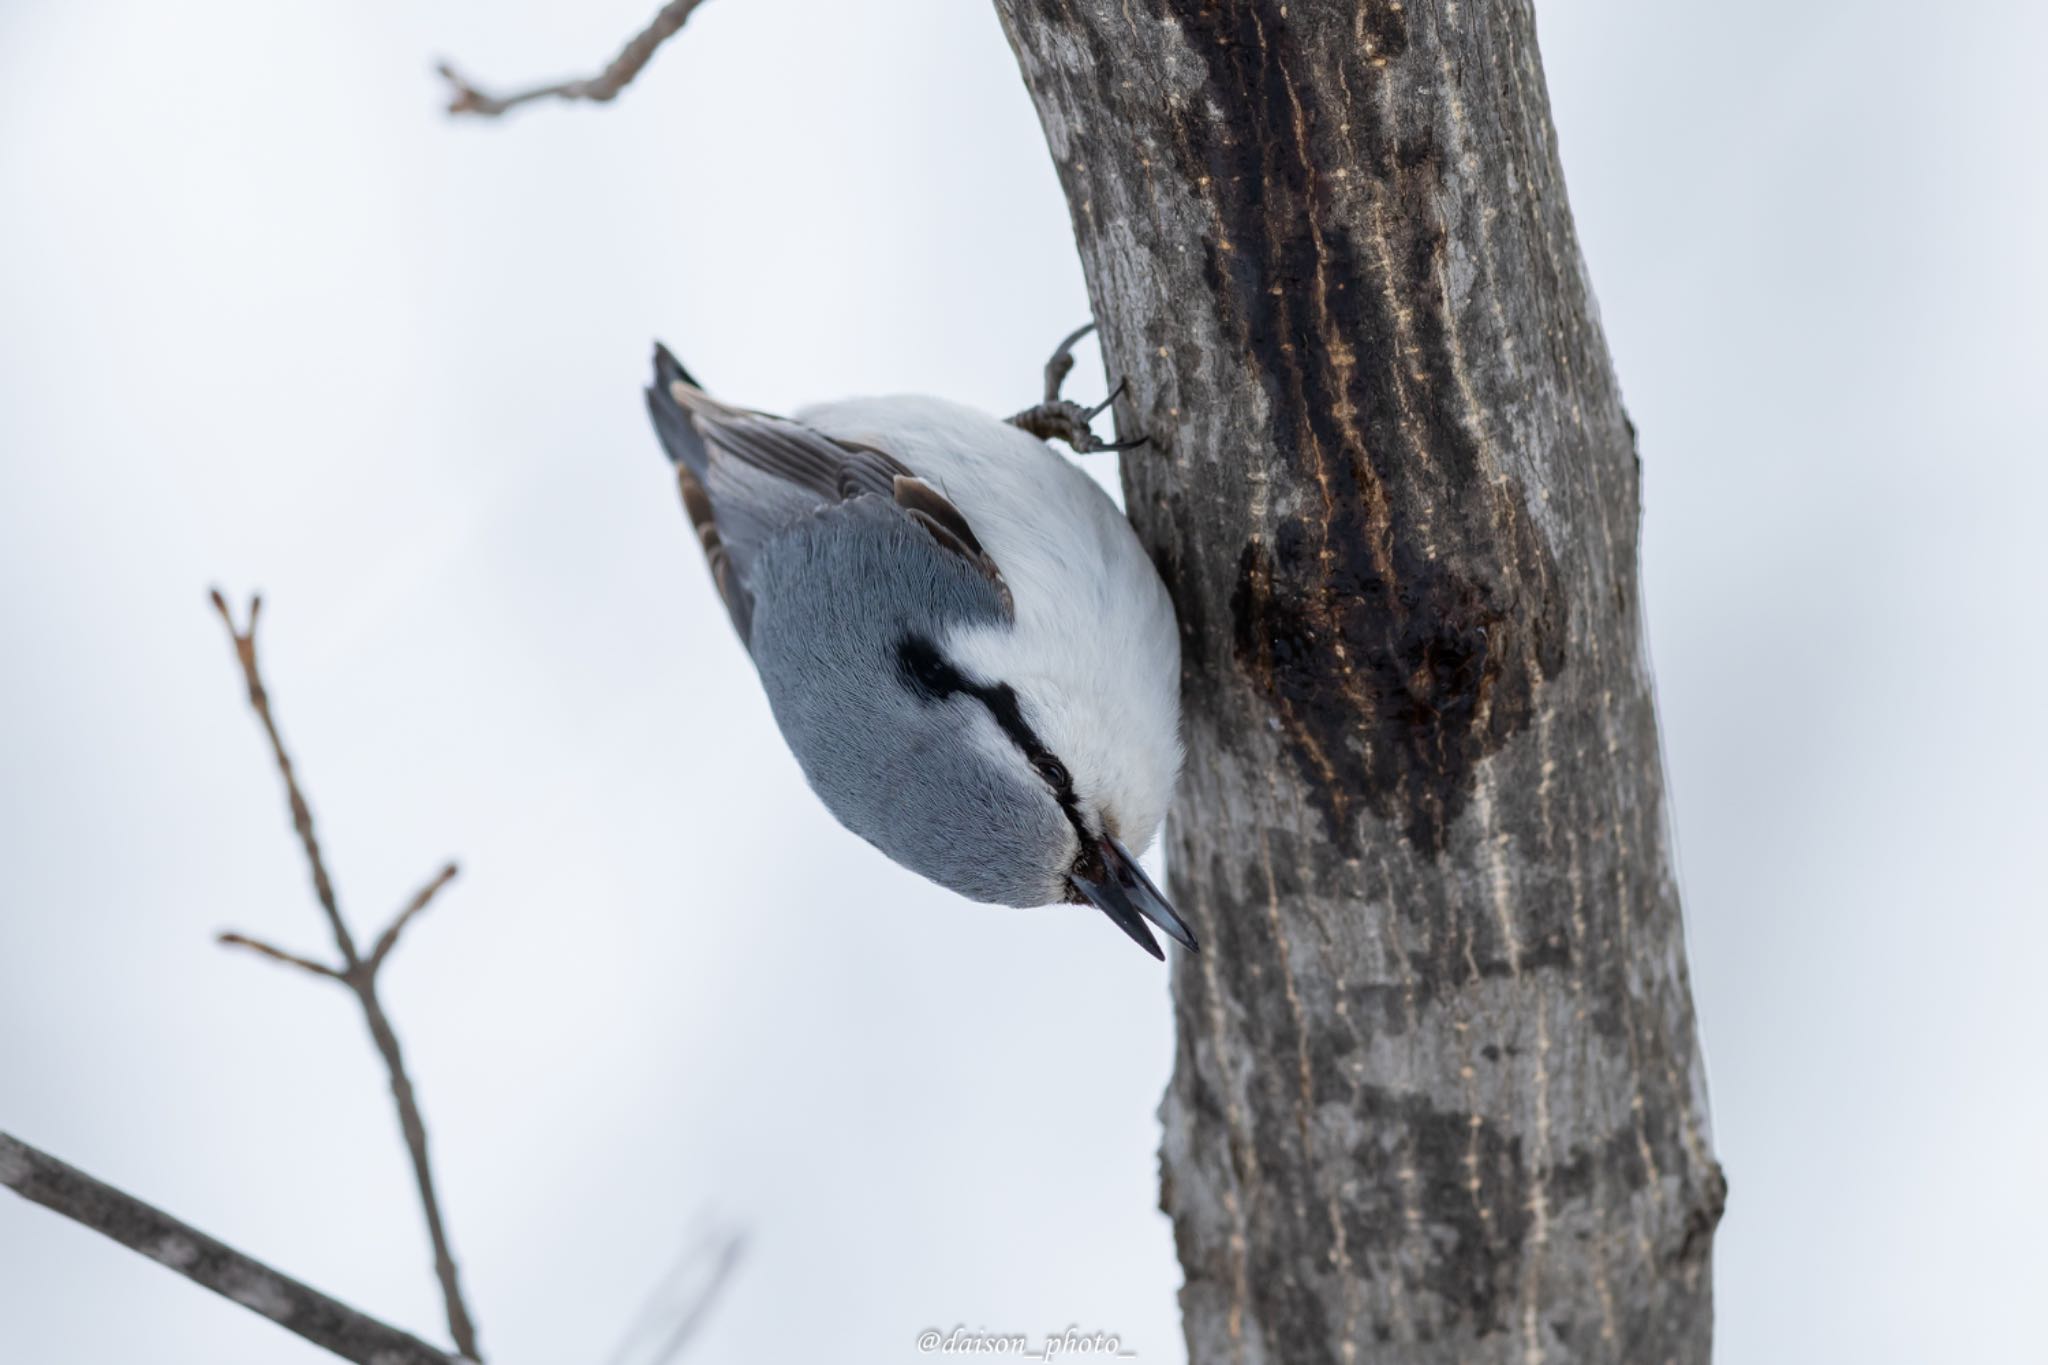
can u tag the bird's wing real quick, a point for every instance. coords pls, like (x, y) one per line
(747, 476)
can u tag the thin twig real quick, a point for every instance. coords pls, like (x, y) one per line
(674, 1322)
(276, 954)
(388, 940)
(467, 99)
(359, 974)
(460, 1326)
(687, 1325)
(302, 815)
(327, 1323)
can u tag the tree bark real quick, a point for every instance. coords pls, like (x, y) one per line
(1438, 1095)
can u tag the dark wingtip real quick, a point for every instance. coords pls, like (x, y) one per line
(667, 369)
(679, 439)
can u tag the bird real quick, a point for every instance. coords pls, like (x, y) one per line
(962, 640)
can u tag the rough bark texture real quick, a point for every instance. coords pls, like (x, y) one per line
(1438, 1095)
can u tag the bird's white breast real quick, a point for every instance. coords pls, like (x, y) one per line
(1094, 653)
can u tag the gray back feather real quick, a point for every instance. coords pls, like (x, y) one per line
(748, 476)
(830, 555)
(834, 597)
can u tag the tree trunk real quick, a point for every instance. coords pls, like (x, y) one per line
(1438, 1095)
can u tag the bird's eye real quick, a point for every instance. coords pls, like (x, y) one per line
(1055, 773)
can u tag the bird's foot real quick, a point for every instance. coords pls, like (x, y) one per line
(1064, 419)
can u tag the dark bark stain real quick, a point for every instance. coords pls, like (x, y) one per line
(1476, 1265)
(1615, 1162)
(1290, 1246)
(1476, 1239)
(1400, 629)
(1189, 611)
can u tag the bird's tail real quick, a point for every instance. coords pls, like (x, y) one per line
(669, 399)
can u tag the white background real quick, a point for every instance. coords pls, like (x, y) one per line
(267, 319)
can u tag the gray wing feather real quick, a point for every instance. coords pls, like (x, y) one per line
(748, 476)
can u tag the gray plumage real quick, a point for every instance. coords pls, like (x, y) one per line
(880, 626)
(826, 574)
(835, 595)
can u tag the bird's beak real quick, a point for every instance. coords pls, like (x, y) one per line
(1109, 878)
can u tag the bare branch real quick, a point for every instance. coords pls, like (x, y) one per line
(388, 940)
(323, 1321)
(460, 1325)
(359, 974)
(327, 1323)
(302, 814)
(257, 945)
(467, 99)
(680, 1300)
(707, 1294)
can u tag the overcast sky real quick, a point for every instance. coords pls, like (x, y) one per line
(268, 320)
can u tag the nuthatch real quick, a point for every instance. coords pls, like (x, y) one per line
(961, 638)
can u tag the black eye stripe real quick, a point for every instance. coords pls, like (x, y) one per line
(925, 671)
(927, 674)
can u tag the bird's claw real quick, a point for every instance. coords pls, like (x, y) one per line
(1062, 418)
(1122, 384)
(1068, 421)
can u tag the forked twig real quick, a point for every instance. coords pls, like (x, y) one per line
(606, 85)
(357, 972)
(328, 1323)
(388, 940)
(669, 1321)
(276, 954)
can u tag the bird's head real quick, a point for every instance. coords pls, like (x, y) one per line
(1005, 791)
(1015, 791)
(1014, 756)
